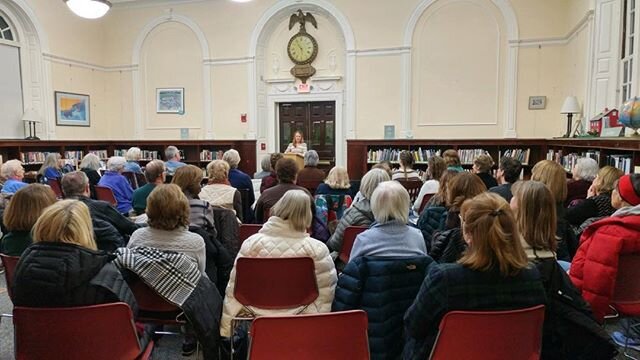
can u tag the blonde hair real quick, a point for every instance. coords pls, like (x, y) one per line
(50, 161)
(483, 162)
(390, 201)
(133, 154)
(67, 221)
(605, 181)
(553, 176)
(218, 170)
(295, 207)
(167, 208)
(489, 221)
(26, 205)
(536, 214)
(338, 178)
(293, 138)
(188, 178)
(90, 161)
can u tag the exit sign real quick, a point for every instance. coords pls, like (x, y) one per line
(304, 88)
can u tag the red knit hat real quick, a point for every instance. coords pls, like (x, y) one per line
(627, 192)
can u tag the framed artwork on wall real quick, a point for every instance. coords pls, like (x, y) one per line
(72, 109)
(170, 101)
(537, 102)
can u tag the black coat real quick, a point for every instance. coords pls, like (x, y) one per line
(227, 225)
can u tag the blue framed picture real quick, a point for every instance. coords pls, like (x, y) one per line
(72, 109)
(170, 101)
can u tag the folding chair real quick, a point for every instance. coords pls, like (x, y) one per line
(338, 335)
(106, 194)
(140, 179)
(626, 294)
(349, 237)
(490, 335)
(9, 263)
(413, 188)
(247, 230)
(98, 332)
(131, 178)
(54, 184)
(425, 200)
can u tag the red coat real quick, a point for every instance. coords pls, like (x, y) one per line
(595, 266)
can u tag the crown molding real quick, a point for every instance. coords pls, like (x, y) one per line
(135, 4)
(558, 40)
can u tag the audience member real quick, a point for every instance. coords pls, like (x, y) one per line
(172, 156)
(242, 182)
(114, 180)
(90, 165)
(598, 201)
(133, 157)
(297, 145)
(482, 166)
(218, 192)
(440, 197)
(310, 172)
(284, 235)
(452, 160)
(51, 169)
(271, 180)
(265, 164)
(406, 171)
(336, 183)
(492, 275)
(508, 173)
(286, 170)
(168, 219)
(63, 267)
(13, 173)
(154, 172)
(21, 214)
(430, 187)
(583, 173)
(384, 165)
(188, 178)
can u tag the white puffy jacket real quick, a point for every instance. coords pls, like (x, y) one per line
(278, 239)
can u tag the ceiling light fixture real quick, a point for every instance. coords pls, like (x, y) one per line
(241, 1)
(89, 9)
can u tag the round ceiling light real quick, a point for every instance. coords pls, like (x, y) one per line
(89, 9)
(240, 1)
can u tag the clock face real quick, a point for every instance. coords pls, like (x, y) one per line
(302, 49)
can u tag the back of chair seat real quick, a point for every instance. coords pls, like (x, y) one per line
(626, 295)
(54, 184)
(131, 178)
(106, 194)
(9, 263)
(350, 234)
(413, 188)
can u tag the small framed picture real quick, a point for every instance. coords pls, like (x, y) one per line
(170, 101)
(72, 109)
(537, 102)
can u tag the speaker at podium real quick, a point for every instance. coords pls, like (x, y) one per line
(298, 158)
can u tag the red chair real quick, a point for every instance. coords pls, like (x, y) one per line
(490, 335)
(54, 184)
(339, 335)
(626, 294)
(153, 308)
(9, 263)
(425, 200)
(349, 237)
(98, 332)
(413, 188)
(247, 230)
(106, 194)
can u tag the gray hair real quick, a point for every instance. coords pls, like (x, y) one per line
(311, 158)
(170, 152)
(90, 161)
(74, 183)
(50, 161)
(390, 202)
(585, 169)
(295, 208)
(265, 164)
(116, 163)
(133, 154)
(10, 168)
(370, 181)
(232, 157)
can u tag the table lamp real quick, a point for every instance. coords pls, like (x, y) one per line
(31, 119)
(570, 107)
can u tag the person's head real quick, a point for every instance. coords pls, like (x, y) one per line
(444, 182)
(626, 191)
(116, 163)
(535, 210)
(370, 181)
(482, 164)
(218, 170)
(297, 138)
(12, 169)
(462, 187)
(606, 178)
(390, 202)
(232, 157)
(172, 153)
(436, 167)
(75, 183)
(509, 169)
(286, 170)
(585, 169)
(167, 208)
(384, 165)
(188, 178)
(338, 178)
(67, 221)
(490, 230)
(265, 163)
(154, 172)
(553, 176)
(406, 159)
(311, 158)
(26, 205)
(133, 154)
(274, 160)
(90, 161)
(451, 158)
(294, 207)
(52, 160)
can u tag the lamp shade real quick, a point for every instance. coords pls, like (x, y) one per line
(89, 9)
(570, 106)
(31, 115)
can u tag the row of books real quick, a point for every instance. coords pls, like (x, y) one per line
(568, 161)
(622, 162)
(145, 154)
(208, 155)
(468, 155)
(521, 155)
(421, 155)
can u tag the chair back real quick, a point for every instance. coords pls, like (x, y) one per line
(626, 294)
(9, 263)
(98, 332)
(152, 307)
(106, 194)
(275, 283)
(310, 185)
(425, 200)
(247, 230)
(413, 188)
(140, 179)
(54, 184)
(348, 239)
(131, 178)
(512, 334)
(337, 335)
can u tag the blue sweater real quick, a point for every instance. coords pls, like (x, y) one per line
(392, 239)
(121, 190)
(133, 167)
(240, 180)
(52, 173)
(12, 185)
(172, 166)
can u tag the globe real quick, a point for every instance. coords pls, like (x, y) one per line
(630, 114)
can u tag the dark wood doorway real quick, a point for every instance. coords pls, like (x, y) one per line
(316, 120)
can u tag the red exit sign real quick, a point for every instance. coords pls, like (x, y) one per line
(304, 88)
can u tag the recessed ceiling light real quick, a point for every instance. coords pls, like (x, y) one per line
(89, 9)
(241, 1)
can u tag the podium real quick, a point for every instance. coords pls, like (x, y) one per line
(298, 158)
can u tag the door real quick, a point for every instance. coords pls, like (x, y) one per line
(316, 120)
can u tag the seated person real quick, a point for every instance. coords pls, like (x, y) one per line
(218, 192)
(154, 173)
(240, 181)
(297, 145)
(172, 154)
(286, 170)
(52, 167)
(430, 187)
(508, 173)
(336, 183)
(598, 201)
(133, 157)
(310, 172)
(582, 175)
(13, 173)
(120, 186)
(271, 180)
(452, 160)
(405, 172)
(188, 178)
(265, 164)
(90, 165)
(482, 166)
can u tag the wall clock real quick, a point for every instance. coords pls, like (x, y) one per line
(302, 48)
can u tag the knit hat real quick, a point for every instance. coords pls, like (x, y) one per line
(627, 192)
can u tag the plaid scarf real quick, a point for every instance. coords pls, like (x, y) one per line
(172, 275)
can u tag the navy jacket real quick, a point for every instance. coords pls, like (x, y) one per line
(384, 288)
(431, 220)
